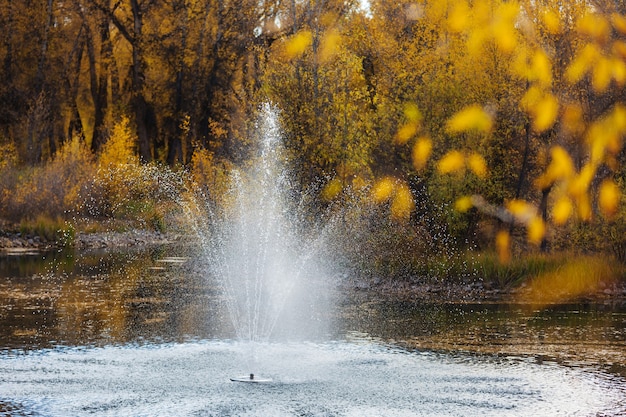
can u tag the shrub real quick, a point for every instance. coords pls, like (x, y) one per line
(53, 189)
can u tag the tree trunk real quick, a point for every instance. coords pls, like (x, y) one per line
(100, 82)
(72, 79)
(144, 115)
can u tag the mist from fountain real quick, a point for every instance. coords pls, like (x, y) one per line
(261, 248)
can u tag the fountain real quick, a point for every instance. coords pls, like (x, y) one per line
(140, 350)
(266, 253)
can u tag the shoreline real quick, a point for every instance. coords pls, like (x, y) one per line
(17, 243)
(479, 290)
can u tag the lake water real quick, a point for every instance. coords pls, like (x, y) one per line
(146, 333)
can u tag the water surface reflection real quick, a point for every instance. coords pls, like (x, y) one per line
(102, 298)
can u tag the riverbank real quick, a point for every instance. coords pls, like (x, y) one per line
(492, 285)
(17, 242)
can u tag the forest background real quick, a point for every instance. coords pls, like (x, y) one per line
(497, 124)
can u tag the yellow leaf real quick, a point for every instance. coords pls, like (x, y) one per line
(562, 210)
(618, 70)
(329, 45)
(601, 74)
(477, 164)
(584, 207)
(608, 197)
(619, 49)
(545, 112)
(421, 152)
(579, 276)
(402, 204)
(470, 118)
(619, 22)
(595, 26)
(584, 60)
(459, 17)
(503, 246)
(332, 189)
(521, 209)
(406, 132)
(536, 230)
(412, 112)
(383, 189)
(298, 44)
(552, 22)
(580, 183)
(541, 68)
(463, 204)
(453, 161)
(503, 26)
(562, 165)
(476, 40)
(530, 99)
(561, 168)
(572, 119)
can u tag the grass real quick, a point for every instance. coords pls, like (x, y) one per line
(551, 277)
(51, 229)
(497, 274)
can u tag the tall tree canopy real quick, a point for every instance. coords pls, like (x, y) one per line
(515, 108)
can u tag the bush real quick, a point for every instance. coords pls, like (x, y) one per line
(54, 189)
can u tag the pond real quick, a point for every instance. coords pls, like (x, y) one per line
(146, 333)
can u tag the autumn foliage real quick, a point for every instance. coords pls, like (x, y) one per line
(505, 120)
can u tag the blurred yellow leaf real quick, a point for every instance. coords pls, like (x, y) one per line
(411, 127)
(536, 230)
(608, 198)
(562, 210)
(463, 204)
(453, 161)
(383, 189)
(477, 165)
(584, 207)
(402, 204)
(545, 113)
(572, 119)
(459, 16)
(541, 68)
(421, 152)
(503, 26)
(618, 71)
(332, 189)
(406, 132)
(552, 22)
(473, 117)
(580, 183)
(593, 25)
(298, 44)
(521, 209)
(601, 74)
(581, 275)
(619, 22)
(561, 168)
(503, 246)
(329, 45)
(531, 97)
(476, 40)
(581, 64)
(412, 112)
(619, 49)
